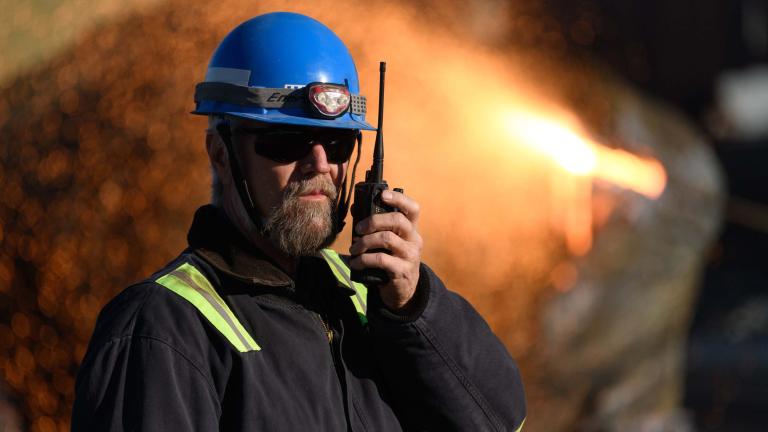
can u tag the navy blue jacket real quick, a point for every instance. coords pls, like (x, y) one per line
(155, 363)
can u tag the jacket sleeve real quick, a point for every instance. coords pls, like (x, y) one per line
(444, 367)
(142, 384)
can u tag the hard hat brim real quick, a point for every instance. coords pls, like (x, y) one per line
(338, 123)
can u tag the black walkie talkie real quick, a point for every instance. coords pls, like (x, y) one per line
(368, 193)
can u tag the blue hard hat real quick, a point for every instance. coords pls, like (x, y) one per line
(283, 68)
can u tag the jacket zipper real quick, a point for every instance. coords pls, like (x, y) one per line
(328, 331)
(338, 365)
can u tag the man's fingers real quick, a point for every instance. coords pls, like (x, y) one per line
(407, 206)
(386, 240)
(393, 221)
(395, 267)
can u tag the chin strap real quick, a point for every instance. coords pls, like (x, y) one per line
(225, 132)
(345, 196)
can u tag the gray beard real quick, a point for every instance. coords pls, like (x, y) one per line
(300, 227)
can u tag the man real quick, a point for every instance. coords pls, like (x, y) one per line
(256, 326)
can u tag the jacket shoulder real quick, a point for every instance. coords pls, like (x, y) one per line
(148, 341)
(150, 310)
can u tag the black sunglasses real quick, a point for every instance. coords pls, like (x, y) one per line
(289, 145)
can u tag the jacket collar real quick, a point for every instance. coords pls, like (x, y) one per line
(215, 239)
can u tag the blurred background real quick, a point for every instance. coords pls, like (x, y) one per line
(591, 175)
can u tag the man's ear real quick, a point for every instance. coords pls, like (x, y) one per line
(217, 154)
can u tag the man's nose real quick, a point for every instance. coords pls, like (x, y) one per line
(316, 161)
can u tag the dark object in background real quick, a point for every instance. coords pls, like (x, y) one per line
(727, 367)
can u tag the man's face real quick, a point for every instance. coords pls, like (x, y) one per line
(297, 199)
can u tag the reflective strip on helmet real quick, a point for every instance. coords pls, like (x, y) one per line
(520, 428)
(263, 97)
(342, 273)
(228, 75)
(189, 283)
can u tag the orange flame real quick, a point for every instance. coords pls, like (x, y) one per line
(585, 157)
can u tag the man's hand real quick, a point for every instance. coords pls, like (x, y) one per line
(396, 232)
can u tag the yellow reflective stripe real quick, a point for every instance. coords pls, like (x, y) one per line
(343, 275)
(190, 284)
(196, 280)
(521, 426)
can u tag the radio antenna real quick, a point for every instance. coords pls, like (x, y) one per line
(377, 170)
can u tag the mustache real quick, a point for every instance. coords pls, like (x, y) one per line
(302, 187)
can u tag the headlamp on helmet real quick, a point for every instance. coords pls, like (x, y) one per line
(328, 100)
